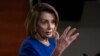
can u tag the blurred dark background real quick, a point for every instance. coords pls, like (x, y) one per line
(69, 10)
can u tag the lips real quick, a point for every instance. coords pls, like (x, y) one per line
(48, 33)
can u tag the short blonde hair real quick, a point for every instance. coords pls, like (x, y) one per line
(33, 16)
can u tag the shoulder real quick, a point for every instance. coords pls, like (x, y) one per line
(26, 42)
(29, 42)
(27, 48)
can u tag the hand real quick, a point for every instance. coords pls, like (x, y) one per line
(55, 34)
(68, 36)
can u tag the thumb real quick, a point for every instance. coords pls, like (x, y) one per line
(56, 35)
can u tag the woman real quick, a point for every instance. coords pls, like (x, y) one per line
(42, 36)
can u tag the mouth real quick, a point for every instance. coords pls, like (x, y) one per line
(48, 33)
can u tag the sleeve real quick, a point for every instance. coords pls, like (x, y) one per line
(28, 50)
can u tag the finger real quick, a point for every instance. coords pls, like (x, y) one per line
(73, 37)
(66, 31)
(63, 36)
(57, 35)
(71, 32)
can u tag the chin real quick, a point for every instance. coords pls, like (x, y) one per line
(49, 36)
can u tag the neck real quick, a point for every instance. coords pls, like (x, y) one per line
(39, 37)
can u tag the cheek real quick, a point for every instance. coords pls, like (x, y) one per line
(42, 28)
(53, 26)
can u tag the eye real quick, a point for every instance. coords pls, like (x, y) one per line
(43, 21)
(53, 21)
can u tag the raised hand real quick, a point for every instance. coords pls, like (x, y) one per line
(68, 36)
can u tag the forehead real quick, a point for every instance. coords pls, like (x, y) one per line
(47, 16)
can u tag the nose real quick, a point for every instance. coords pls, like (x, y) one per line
(49, 26)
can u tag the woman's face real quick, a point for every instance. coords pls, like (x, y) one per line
(46, 24)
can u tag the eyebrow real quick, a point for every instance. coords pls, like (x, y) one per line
(42, 19)
(46, 19)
